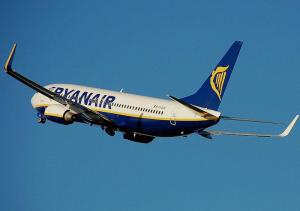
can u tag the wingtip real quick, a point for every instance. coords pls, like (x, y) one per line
(8, 63)
(287, 131)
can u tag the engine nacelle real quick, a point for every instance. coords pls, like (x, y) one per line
(138, 138)
(60, 114)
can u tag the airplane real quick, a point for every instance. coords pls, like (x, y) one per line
(141, 118)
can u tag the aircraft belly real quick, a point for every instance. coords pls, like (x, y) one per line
(164, 128)
(161, 128)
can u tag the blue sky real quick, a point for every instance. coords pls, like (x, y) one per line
(151, 48)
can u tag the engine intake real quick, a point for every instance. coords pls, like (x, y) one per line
(60, 114)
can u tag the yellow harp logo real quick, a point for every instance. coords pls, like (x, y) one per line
(217, 80)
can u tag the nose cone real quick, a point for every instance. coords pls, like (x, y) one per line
(39, 100)
(35, 100)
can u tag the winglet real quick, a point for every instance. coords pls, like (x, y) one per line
(289, 128)
(8, 63)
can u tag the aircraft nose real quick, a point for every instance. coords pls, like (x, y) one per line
(34, 100)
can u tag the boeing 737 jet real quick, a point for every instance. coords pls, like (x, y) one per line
(140, 118)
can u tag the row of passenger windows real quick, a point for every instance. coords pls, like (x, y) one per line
(137, 108)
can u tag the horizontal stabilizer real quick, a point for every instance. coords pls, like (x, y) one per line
(249, 120)
(286, 132)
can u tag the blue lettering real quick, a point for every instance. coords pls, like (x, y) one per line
(102, 99)
(108, 101)
(74, 97)
(85, 97)
(67, 92)
(94, 100)
(59, 90)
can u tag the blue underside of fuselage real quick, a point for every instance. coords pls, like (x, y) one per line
(162, 128)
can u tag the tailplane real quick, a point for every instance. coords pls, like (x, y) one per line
(211, 92)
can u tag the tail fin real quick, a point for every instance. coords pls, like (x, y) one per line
(211, 92)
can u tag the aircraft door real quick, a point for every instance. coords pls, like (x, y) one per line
(173, 119)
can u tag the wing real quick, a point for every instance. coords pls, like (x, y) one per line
(85, 113)
(210, 133)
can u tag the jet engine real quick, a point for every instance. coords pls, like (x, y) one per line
(60, 114)
(138, 138)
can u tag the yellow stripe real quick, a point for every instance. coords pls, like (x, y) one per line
(221, 84)
(223, 79)
(136, 115)
(40, 105)
(218, 81)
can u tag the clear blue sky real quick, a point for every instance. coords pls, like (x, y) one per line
(151, 48)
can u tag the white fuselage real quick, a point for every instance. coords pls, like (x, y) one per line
(122, 107)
